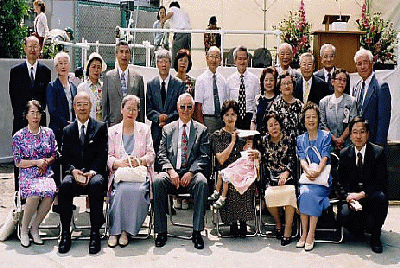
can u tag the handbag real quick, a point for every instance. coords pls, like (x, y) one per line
(12, 219)
(323, 178)
(130, 173)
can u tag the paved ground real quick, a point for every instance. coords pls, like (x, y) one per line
(218, 252)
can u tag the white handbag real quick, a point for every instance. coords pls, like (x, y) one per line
(323, 178)
(131, 174)
(12, 219)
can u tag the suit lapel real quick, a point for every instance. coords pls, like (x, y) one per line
(192, 138)
(170, 93)
(117, 82)
(174, 142)
(371, 88)
(91, 131)
(131, 82)
(27, 75)
(137, 136)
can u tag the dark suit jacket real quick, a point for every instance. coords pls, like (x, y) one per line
(374, 174)
(92, 155)
(21, 91)
(112, 95)
(154, 105)
(377, 110)
(198, 148)
(58, 107)
(320, 74)
(319, 89)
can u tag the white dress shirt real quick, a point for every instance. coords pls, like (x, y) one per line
(180, 19)
(67, 92)
(29, 66)
(180, 127)
(252, 87)
(309, 87)
(326, 73)
(204, 93)
(362, 151)
(166, 82)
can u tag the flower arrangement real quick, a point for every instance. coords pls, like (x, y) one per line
(296, 32)
(380, 37)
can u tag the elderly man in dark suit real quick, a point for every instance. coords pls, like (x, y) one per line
(161, 97)
(373, 98)
(84, 155)
(308, 86)
(28, 81)
(118, 83)
(185, 160)
(363, 181)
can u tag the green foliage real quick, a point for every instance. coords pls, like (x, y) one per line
(12, 30)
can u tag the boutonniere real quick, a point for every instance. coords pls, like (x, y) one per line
(346, 113)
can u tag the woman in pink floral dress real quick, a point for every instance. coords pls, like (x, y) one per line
(34, 149)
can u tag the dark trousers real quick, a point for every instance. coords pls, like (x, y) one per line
(69, 189)
(244, 123)
(162, 186)
(370, 218)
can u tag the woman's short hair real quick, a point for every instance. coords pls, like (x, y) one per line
(59, 55)
(90, 62)
(40, 4)
(309, 106)
(130, 98)
(268, 70)
(274, 115)
(158, 13)
(283, 76)
(30, 104)
(359, 119)
(228, 104)
(181, 54)
(338, 71)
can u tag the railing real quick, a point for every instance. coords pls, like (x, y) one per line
(125, 33)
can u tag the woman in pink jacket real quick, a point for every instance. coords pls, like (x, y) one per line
(129, 143)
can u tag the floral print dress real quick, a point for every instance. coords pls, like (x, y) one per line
(29, 146)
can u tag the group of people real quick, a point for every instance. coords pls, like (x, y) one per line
(99, 129)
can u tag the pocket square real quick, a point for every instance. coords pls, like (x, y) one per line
(91, 141)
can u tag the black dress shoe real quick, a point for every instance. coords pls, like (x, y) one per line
(376, 244)
(197, 240)
(161, 240)
(233, 230)
(65, 243)
(285, 241)
(95, 243)
(243, 229)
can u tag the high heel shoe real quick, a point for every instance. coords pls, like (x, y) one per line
(309, 246)
(25, 242)
(36, 238)
(300, 244)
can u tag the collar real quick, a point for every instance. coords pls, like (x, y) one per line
(309, 81)
(362, 151)
(336, 100)
(368, 80)
(98, 84)
(180, 125)
(30, 65)
(166, 80)
(209, 73)
(80, 125)
(125, 72)
(244, 74)
(326, 72)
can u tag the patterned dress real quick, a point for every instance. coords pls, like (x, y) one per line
(237, 207)
(289, 115)
(94, 92)
(189, 85)
(29, 146)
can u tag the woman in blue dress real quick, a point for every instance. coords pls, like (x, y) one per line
(313, 198)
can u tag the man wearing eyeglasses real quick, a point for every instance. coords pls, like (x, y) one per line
(308, 86)
(28, 81)
(363, 181)
(84, 156)
(328, 56)
(184, 158)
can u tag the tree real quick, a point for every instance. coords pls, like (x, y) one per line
(12, 29)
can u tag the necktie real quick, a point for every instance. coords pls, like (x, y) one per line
(184, 142)
(217, 106)
(306, 92)
(359, 160)
(82, 135)
(360, 98)
(330, 83)
(32, 77)
(242, 98)
(123, 84)
(163, 93)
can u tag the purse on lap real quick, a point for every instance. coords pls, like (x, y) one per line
(130, 173)
(323, 178)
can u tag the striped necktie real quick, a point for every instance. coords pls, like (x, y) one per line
(184, 148)
(242, 98)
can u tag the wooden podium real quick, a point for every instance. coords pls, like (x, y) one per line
(347, 43)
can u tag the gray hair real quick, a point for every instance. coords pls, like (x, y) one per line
(82, 93)
(240, 48)
(307, 54)
(184, 95)
(285, 45)
(163, 54)
(212, 49)
(122, 43)
(59, 55)
(363, 52)
(325, 46)
(130, 98)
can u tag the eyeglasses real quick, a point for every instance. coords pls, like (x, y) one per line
(286, 84)
(183, 107)
(344, 80)
(132, 110)
(360, 132)
(82, 104)
(35, 113)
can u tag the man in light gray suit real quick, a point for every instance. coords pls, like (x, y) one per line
(118, 83)
(185, 159)
(161, 97)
